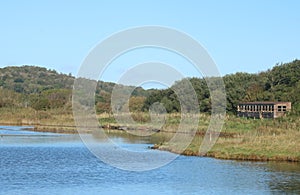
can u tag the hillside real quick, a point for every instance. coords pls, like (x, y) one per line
(33, 79)
(42, 89)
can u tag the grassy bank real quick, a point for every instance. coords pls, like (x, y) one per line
(242, 139)
(259, 140)
(56, 120)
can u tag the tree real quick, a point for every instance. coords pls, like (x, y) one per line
(136, 103)
(9, 98)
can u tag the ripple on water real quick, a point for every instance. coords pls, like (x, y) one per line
(61, 164)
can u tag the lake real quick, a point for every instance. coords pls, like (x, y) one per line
(49, 163)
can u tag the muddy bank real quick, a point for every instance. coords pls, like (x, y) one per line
(73, 129)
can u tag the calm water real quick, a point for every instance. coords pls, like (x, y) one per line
(47, 163)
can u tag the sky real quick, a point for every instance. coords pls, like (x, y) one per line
(240, 36)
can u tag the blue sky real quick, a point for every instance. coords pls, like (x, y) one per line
(247, 36)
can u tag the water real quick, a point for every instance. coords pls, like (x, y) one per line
(48, 163)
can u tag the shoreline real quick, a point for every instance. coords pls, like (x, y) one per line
(237, 157)
(213, 153)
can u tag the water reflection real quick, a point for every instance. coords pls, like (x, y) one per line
(24, 136)
(131, 138)
(288, 181)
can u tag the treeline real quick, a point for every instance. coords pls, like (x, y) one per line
(42, 89)
(281, 83)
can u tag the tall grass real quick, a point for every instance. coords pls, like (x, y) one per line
(267, 139)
